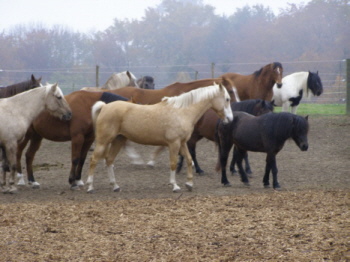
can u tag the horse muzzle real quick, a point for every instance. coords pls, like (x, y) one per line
(67, 117)
(304, 147)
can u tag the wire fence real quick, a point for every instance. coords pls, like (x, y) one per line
(332, 73)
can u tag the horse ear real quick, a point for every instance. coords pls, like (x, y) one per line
(54, 86)
(317, 72)
(128, 74)
(33, 78)
(307, 117)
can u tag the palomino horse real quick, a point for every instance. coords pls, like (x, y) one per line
(14, 89)
(79, 130)
(206, 126)
(294, 85)
(265, 133)
(18, 112)
(115, 81)
(259, 84)
(168, 123)
(146, 82)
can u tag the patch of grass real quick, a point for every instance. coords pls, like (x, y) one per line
(319, 109)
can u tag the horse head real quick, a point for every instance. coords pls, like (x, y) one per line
(300, 130)
(56, 104)
(146, 82)
(222, 105)
(263, 107)
(314, 84)
(34, 82)
(277, 73)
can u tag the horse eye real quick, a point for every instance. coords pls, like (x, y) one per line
(59, 97)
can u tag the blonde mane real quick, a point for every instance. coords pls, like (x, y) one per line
(194, 96)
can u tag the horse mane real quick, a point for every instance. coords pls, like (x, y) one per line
(274, 66)
(194, 96)
(284, 124)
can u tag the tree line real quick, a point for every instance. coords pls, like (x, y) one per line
(179, 36)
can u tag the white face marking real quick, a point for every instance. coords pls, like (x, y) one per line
(278, 70)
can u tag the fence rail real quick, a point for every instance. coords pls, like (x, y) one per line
(333, 74)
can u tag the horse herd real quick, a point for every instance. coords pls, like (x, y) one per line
(234, 110)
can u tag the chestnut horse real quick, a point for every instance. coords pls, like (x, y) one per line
(167, 123)
(79, 130)
(206, 126)
(153, 96)
(258, 85)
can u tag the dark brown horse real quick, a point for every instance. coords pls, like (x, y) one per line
(146, 82)
(206, 125)
(79, 130)
(14, 89)
(153, 96)
(258, 85)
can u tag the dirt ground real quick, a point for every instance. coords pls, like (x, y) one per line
(308, 220)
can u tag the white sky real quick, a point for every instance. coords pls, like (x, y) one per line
(86, 15)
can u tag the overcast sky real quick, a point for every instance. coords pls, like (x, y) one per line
(86, 15)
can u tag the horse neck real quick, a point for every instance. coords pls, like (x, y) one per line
(33, 101)
(195, 111)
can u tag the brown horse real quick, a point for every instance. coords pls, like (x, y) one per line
(153, 96)
(258, 85)
(14, 89)
(79, 130)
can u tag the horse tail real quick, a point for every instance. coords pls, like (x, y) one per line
(95, 111)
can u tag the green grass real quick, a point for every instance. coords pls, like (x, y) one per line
(319, 109)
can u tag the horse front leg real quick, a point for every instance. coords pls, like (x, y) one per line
(35, 142)
(271, 165)
(20, 147)
(225, 146)
(274, 170)
(174, 149)
(184, 151)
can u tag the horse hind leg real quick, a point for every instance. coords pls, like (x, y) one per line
(131, 152)
(114, 149)
(155, 154)
(99, 152)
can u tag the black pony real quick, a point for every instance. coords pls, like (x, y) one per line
(206, 125)
(266, 133)
(14, 89)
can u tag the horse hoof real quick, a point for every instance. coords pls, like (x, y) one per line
(117, 189)
(21, 182)
(246, 184)
(80, 183)
(266, 186)
(227, 185)
(200, 172)
(150, 163)
(176, 190)
(35, 185)
(91, 191)
(189, 186)
(277, 188)
(74, 188)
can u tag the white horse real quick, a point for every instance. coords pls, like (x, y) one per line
(18, 112)
(116, 81)
(168, 123)
(293, 88)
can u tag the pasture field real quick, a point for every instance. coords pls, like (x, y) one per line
(319, 109)
(308, 220)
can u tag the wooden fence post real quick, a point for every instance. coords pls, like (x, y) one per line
(212, 70)
(348, 86)
(97, 75)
